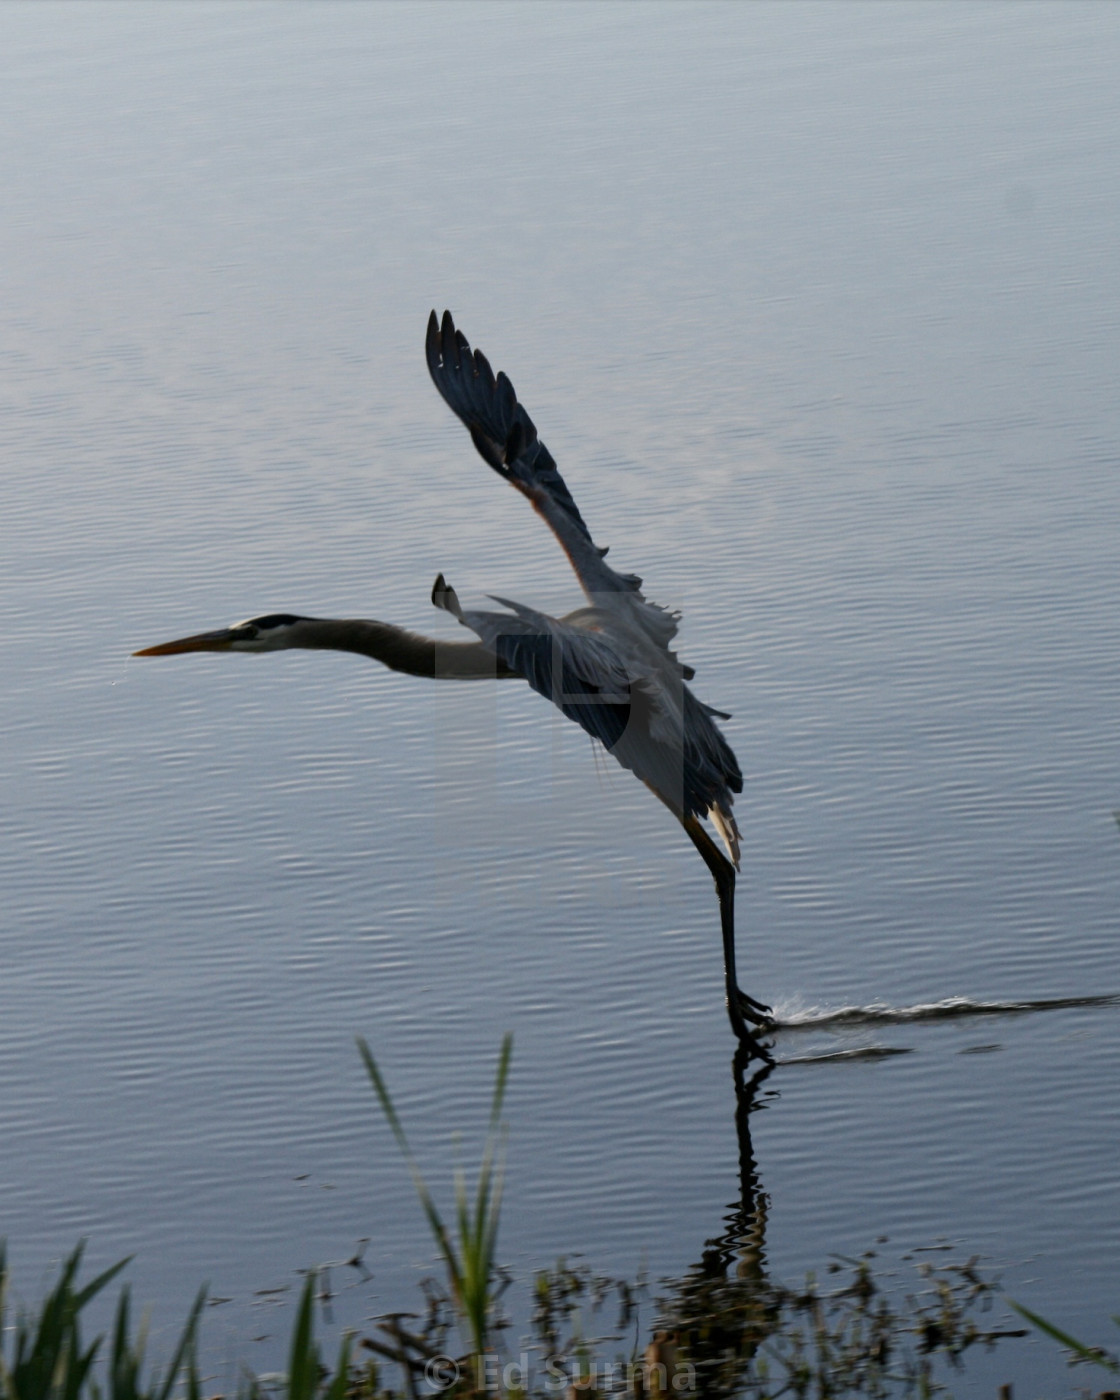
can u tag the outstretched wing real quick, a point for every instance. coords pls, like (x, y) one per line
(667, 738)
(500, 428)
(507, 440)
(582, 676)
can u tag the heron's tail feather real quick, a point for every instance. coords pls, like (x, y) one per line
(724, 823)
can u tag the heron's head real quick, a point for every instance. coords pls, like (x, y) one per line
(275, 632)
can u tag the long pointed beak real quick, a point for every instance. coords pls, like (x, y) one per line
(220, 640)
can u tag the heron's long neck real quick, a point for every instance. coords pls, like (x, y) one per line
(400, 649)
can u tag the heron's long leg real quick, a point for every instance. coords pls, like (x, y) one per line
(740, 1008)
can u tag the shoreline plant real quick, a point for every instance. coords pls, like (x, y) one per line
(725, 1331)
(470, 1257)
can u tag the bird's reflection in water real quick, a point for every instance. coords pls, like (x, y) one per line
(725, 1330)
(721, 1311)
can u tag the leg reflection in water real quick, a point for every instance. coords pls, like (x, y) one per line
(722, 1310)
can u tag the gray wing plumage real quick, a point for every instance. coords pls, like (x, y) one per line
(608, 667)
(581, 675)
(668, 739)
(503, 432)
(507, 440)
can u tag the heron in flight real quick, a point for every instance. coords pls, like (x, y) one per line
(607, 666)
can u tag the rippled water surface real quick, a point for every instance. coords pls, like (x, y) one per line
(817, 308)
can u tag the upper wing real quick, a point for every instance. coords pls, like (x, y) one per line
(665, 736)
(499, 426)
(582, 676)
(507, 439)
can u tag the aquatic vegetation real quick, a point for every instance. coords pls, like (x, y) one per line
(755, 1338)
(730, 1337)
(470, 1261)
(726, 1330)
(1081, 1352)
(42, 1356)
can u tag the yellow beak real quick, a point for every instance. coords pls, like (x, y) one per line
(220, 640)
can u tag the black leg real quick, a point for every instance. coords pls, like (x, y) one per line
(740, 1008)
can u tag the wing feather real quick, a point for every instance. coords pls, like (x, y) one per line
(674, 747)
(609, 668)
(582, 676)
(506, 438)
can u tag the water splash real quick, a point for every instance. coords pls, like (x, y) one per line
(951, 1009)
(867, 1052)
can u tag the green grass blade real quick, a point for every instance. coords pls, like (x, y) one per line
(435, 1220)
(124, 1359)
(500, 1080)
(341, 1381)
(82, 1297)
(303, 1359)
(1086, 1353)
(470, 1267)
(184, 1351)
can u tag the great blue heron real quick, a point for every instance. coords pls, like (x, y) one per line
(607, 666)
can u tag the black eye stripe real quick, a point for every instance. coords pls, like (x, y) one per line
(264, 624)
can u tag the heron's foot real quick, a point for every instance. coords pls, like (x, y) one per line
(756, 1012)
(740, 1009)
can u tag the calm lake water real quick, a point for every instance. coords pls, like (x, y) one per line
(817, 308)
